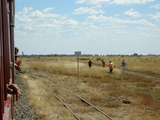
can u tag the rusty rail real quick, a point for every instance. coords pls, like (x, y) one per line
(68, 107)
(86, 102)
(95, 107)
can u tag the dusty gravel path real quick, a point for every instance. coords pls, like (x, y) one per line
(23, 110)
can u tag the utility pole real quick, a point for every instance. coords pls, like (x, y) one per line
(78, 53)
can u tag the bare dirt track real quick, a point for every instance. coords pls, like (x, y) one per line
(105, 91)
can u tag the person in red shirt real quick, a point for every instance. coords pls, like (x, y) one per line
(111, 66)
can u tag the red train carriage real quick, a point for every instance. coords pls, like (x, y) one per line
(6, 57)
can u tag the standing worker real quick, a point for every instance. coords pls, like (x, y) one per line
(103, 63)
(111, 66)
(89, 63)
(124, 65)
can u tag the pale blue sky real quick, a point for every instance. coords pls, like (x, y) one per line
(92, 26)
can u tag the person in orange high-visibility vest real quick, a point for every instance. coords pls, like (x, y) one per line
(110, 66)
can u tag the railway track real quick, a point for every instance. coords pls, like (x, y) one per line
(77, 116)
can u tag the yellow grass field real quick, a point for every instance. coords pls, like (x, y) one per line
(47, 77)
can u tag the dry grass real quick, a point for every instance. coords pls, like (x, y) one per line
(50, 76)
(65, 69)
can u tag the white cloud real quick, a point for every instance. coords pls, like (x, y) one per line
(31, 19)
(125, 2)
(87, 10)
(132, 13)
(100, 18)
(118, 22)
(156, 6)
(55, 33)
(119, 2)
(95, 2)
(156, 16)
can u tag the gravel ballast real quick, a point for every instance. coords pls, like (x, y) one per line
(23, 110)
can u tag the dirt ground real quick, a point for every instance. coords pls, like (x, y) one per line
(47, 79)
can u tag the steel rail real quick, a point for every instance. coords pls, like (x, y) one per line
(68, 107)
(98, 109)
(86, 102)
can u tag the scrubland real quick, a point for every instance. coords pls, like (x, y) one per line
(50, 76)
